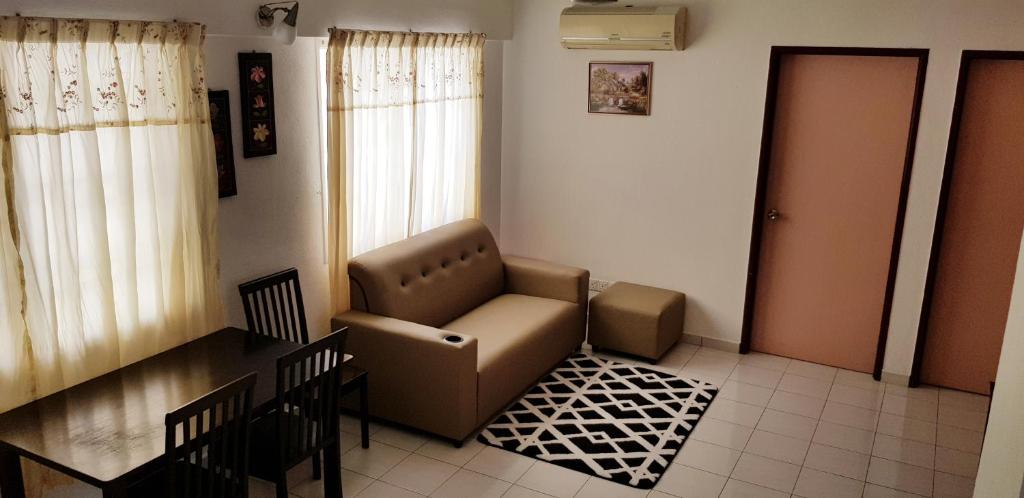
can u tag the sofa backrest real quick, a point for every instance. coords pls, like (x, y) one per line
(431, 278)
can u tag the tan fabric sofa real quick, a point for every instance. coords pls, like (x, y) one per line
(516, 318)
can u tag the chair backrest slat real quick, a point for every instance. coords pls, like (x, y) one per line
(211, 460)
(307, 398)
(273, 307)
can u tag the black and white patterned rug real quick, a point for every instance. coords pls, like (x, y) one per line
(620, 422)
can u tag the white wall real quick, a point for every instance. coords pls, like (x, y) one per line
(275, 221)
(238, 17)
(1001, 473)
(667, 200)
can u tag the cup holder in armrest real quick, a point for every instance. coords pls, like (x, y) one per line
(453, 339)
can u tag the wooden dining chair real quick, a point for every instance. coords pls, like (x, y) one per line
(307, 411)
(273, 306)
(207, 447)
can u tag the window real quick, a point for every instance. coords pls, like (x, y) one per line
(109, 242)
(409, 128)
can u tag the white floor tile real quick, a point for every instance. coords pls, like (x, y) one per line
(858, 379)
(852, 416)
(797, 404)
(763, 360)
(374, 461)
(602, 488)
(808, 386)
(740, 489)
(876, 491)
(447, 452)
(849, 395)
(521, 492)
(777, 447)
(904, 450)
(919, 409)
(837, 461)
(959, 439)
(735, 412)
(677, 356)
(745, 393)
(351, 425)
(468, 484)
(787, 424)
(722, 433)
(844, 437)
(927, 393)
(711, 363)
(757, 376)
(773, 474)
(951, 486)
(500, 464)
(708, 457)
(906, 428)
(552, 480)
(956, 462)
(964, 419)
(714, 376)
(686, 482)
(812, 370)
(351, 482)
(900, 476)
(816, 484)
(399, 438)
(420, 474)
(380, 489)
(963, 400)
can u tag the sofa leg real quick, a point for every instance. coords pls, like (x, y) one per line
(457, 443)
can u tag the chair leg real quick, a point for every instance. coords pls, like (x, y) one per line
(316, 466)
(364, 411)
(282, 483)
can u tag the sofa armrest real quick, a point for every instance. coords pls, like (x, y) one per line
(416, 377)
(537, 278)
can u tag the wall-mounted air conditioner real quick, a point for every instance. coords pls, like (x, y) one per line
(623, 28)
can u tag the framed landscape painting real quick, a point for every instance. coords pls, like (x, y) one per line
(620, 88)
(256, 84)
(220, 122)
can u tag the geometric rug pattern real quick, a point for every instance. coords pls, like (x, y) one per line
(624, 423)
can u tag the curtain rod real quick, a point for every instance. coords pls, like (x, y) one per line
(17, 15)
(410, 30)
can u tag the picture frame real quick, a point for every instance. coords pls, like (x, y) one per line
(256, 86)
(220, 123)
(622, 88)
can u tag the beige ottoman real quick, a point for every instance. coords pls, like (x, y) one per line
(636, 319)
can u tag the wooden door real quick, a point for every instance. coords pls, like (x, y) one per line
(979, 231)
(833, 205)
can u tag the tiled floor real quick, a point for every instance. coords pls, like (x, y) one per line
(779, 428)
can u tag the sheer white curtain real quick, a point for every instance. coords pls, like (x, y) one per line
(108, 217)
(405, 127)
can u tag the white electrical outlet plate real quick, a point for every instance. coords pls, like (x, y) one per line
(598, 285)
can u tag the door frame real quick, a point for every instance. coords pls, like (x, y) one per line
(948, 173)
(764, 164)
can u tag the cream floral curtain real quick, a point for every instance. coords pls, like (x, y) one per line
(404, 133)
(108, 234)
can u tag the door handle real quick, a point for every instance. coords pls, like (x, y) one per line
(774, 214)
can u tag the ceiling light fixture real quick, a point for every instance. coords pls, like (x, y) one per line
(284, 31)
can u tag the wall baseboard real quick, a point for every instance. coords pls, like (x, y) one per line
(710, 342)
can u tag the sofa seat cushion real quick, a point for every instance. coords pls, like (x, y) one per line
(519, 338)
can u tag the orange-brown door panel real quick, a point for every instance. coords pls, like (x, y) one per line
(838, 157)
(980, 234)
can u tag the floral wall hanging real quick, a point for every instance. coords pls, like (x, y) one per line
(256, 85)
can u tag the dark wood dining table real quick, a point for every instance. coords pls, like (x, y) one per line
(109, 431)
